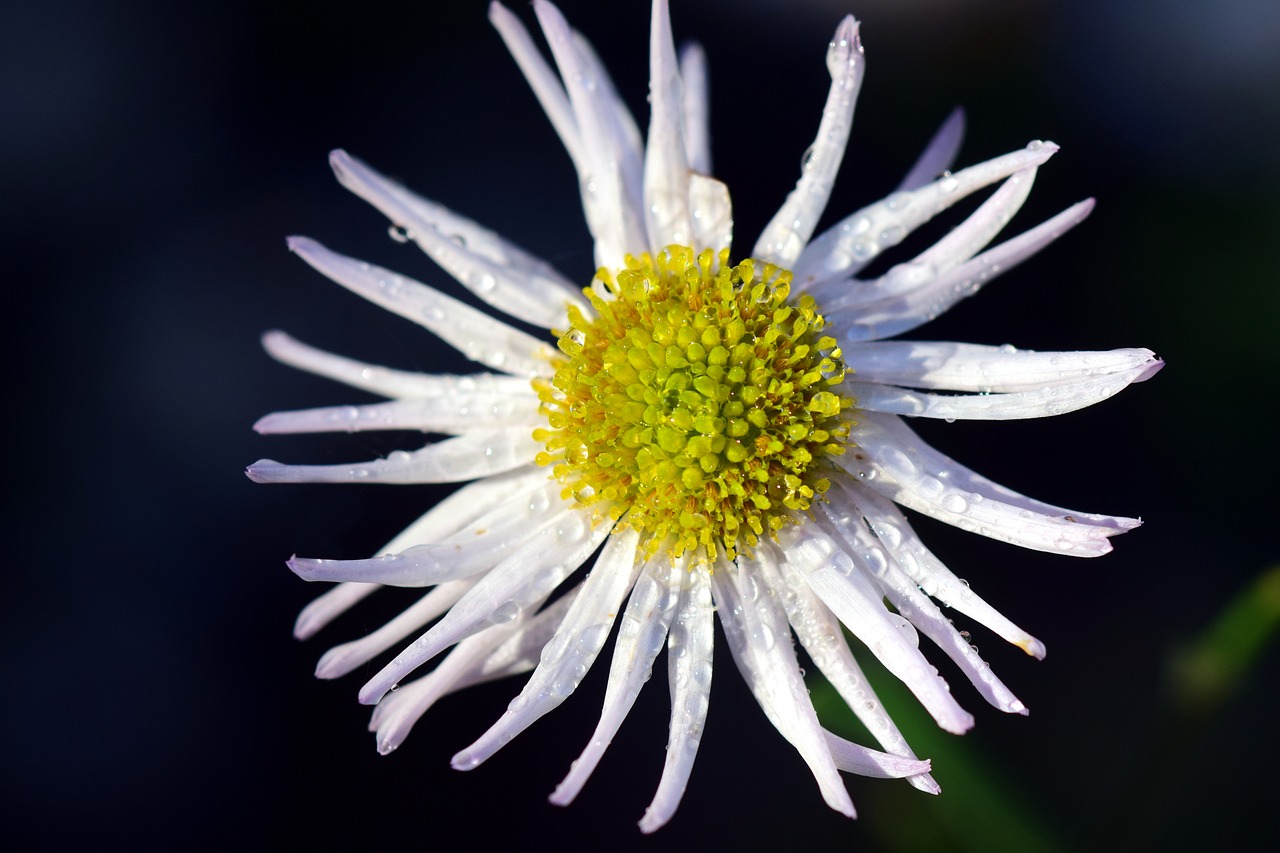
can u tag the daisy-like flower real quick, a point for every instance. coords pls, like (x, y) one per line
(729, 436)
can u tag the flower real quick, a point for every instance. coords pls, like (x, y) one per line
(729, 436)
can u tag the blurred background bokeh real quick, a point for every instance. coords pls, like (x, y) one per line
(154, 156)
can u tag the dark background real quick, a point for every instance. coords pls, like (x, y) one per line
(152, 159)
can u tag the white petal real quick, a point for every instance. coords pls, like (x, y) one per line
(785, 236)
(342, 659)
(939, 154)
(367, 377)
(570, 653)
(760, 639)
(902, 313)
(641, 635)
(858, 603)
(854, 758)
(844, 521)
(820, 634)
(513, 406)
(612, 215)
(464, 457)
(856, 240)
(476, 335)
(327, 607)
(983, 369)
(542, 79)
(697, 108)
(503, 275)
(926, 570)
(477, 547)
(496, 652)
(712, 212)
(666, 172)
(521, 581)
(689, 666)
(916, 476)
(1040, 403)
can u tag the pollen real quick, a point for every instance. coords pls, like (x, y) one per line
(698, 405)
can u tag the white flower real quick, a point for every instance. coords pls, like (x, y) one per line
(730, 437)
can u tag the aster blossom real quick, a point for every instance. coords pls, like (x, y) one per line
(728, 436)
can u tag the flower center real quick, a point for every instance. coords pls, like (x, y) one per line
(697, 403)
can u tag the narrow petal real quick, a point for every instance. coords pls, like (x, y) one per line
(1039, 403)
(642, 634)
(938, 155)
(760, 638)
(843, 521)
(383, 381)
(519, 582)
(327, 607)
(503, 275)
(854, 758)
(689, 657)
(820, 634)
(712, 212)
(464, 457)
(476, 548)
(856, 240)
(342, 659)
(904, 312)
(542, 79)
(476, 335)
(570, 653)
(893, 461)
(496, 652)
(945, 365)
(833, 575)
(613, 217)
(697, 107)
(784, 238)
(894, 532)
(513, 406)
(666, 171)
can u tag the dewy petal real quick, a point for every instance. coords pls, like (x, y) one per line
(842, 520)
(927, 571)
(496, 652)
(542, 79)
(911, 473)
(503, 275)
(697, 108)
(820, 634)
(476, 335)
(666, 171)
(712, 212)
(856, 240)
(760, 638)
(464, 457)
(1039, 403)
(904, 312)
(383, 381)
(944, 365)
(476, 548)
(460, 508)
(842, 586)
(939, 154)
(570, 653)
(342, 659)
(517, 583)
(689, 656)
(784, 238)
(642, 634)
(853, 758)
(613, 217)
(515, 405)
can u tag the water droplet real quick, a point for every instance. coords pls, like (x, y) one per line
(399, 233)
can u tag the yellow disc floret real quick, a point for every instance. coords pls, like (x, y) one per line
(698, 402)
